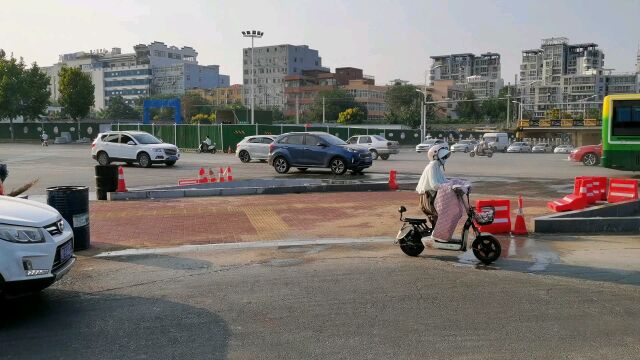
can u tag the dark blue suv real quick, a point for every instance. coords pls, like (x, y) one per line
(318, 150)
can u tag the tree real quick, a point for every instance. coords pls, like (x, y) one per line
(335, 102)
(557, 114)
(592, 113)
(403, 104)
(10, 85)
(76, 92)
(193, 104)
(119, 109)
(468, 109)
(34, 93)
(203, 118)
(352, 116)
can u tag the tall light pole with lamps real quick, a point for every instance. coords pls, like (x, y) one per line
(584, 105)
(252, 34)
(423, 114)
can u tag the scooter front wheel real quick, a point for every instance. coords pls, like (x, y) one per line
(472, 154)
(411, 244)
(486, 248)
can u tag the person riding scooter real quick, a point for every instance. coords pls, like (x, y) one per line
(205, 145)
(439, 196)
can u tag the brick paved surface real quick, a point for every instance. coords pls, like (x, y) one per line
(158, 223)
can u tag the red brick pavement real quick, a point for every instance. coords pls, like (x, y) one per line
(158, 223)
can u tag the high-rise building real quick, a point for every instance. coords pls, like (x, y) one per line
(150, 69)
(222, 96)
(271, 65)
(570, 77)
(480, 74)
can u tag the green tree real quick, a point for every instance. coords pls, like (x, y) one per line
(469, 108)
(34, 93)
(193, 104)
(76, 92)
(119, 109)
(403, 105)
(592, 113)
(203, 119)
(352, 116)
(335, 102)
(11, 71)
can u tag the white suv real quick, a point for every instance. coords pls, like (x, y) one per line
(377, 145)
(36, 245)
(133, 146)
(254, 148)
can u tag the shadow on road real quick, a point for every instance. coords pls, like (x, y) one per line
(59, 324)
(164, 261)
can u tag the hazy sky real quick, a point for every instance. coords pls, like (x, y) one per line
(388, 39)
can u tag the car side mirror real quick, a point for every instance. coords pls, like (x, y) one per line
(402, 209)
(131, 143)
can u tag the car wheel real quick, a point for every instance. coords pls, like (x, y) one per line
(337, 166)
(281, 165)
(244, 156)
(302, 169)
(103, 158)
(170, 163)
(374, 155)
(144, 160)
(590, 159)
(384, 156)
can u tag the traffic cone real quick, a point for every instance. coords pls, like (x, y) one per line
(229, 151)
(229, 176)
(393, 185)
(221, 175)
(1, 188)
(212, 178)
(203, 177)
(122, 187)
(520, 227)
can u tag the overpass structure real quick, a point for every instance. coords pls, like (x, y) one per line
(578, 132)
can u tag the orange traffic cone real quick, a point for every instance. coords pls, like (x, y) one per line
(122, 187)
(229, 151)
(520, 227)
(393, 185)
(211, 177)
(221, 175)
(229, 176)
(203, 176)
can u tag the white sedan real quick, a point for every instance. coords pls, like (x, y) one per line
(254, 147)
(519, 147)
(427, 144)
(563, 149)
(464, 146)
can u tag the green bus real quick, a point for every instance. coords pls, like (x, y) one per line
(621, 132)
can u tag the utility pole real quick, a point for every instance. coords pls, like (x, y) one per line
(297, 110)
(508, 104)
(323, 118)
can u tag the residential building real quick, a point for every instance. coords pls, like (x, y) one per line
(370, 95)
(477, 73)
(150, 69)
(222, 96)
(271, 65)
(571, 77)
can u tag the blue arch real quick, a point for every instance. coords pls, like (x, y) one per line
(161, 103)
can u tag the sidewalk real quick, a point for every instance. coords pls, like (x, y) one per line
(212, 220)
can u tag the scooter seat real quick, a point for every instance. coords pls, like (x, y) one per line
(415, 220)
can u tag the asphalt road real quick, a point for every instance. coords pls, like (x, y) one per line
(576, 299)
(72, 165)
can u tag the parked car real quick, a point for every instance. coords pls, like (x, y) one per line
(464, 146)
(36, 246)
(254, 148)
(519, 147)
(541, 148)
(133, 146)
(589, 155)
(377, 145)
(305, 150)
(428, 143)
(497, 141)
(563, 149)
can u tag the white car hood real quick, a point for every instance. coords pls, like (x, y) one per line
(162, 146)
(15, 211)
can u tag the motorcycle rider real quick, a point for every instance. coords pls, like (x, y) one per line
(439, 196)
(205, 145)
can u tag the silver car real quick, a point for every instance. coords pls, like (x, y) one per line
(254, 147)
(519, 147)
(464, 146)
(377, 145)
(541, 148)
(563, 149)
(428, 143)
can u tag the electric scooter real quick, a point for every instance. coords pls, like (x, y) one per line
(476, 151)
(207, 148)
(486, 247)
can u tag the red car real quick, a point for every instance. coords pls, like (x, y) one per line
(589, 155)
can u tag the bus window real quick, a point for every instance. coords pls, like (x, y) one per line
(626, 118)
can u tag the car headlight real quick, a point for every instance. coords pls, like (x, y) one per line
(352, 150)
(158, 150)
(21, 234)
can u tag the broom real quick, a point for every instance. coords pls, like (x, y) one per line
(4, 172)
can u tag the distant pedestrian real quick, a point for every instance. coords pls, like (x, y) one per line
(44, 138)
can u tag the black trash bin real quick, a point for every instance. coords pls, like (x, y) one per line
(106, 180)
(73, 204)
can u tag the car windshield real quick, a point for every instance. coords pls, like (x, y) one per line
(466, 142)
(489, 138)
(517, 144)
(333, 140)
(543, 144)
(430, 141)
(379, 138)
(145, 139)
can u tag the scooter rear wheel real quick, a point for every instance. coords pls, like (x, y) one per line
(411, 244)
(486, 248)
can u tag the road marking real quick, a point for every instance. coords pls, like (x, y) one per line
(244, 245)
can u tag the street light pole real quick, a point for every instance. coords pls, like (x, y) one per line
(423, 113)
(252, 34)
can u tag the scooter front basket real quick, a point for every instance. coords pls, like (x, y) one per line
(485, 215)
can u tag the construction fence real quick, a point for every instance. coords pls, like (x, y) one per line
(189, 136)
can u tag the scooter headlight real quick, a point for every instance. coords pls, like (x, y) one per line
(21, 234)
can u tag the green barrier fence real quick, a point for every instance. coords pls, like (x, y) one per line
(188, 136)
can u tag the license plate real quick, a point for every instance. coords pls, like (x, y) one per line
(66, 251)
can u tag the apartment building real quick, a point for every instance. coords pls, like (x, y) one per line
(222, 96)
(151, 69)
(271, 65)
(478, 73)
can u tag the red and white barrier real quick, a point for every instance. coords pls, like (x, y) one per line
(576, 201)
(622, 190)
(501, 219)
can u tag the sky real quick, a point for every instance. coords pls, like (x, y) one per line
(387, 39)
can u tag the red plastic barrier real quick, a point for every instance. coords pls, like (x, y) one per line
(502, 216)
(622, 190)
(573, 201)
(596, 190)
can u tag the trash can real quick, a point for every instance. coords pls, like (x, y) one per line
(73, 204)
(106, 180)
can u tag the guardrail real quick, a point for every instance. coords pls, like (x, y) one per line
(561, 123)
